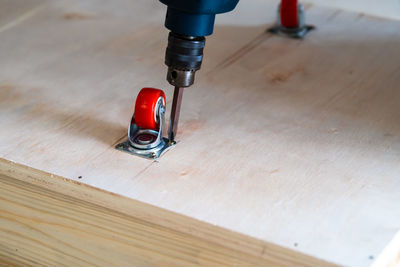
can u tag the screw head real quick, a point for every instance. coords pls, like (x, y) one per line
(171, 143)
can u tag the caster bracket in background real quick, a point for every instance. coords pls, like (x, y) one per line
(294, 32)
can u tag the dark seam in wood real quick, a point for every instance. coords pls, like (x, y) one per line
(244, 50)
(119, 140)
(334, 15)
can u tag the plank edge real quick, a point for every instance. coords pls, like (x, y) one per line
(232, 242)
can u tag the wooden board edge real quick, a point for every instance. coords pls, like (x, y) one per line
(390, 256)
(200, 236)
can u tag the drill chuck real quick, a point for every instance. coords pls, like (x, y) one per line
(189, 21)
(183, 56)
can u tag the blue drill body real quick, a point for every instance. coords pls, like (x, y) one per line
(195, 17)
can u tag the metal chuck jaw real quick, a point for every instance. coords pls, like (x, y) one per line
(183, 57)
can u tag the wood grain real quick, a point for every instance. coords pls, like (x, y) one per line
(294, 143)
(51, 220)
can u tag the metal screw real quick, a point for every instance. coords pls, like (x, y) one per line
(153, 155)
(171, 143)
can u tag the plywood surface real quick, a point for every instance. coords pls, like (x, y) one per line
(383, 8)
(291, 142)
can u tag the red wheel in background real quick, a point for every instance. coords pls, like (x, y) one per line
(146, 108)
(289, 13)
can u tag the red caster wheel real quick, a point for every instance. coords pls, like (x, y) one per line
(289, 14)
(145, 132)
(147, 106)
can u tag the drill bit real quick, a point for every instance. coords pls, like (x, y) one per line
(175, 111)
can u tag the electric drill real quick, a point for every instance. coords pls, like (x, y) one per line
(189, 22)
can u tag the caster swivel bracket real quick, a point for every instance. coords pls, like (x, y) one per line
(145, 132)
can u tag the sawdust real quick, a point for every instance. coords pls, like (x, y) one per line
(279, 77)
(274, 171)
(5, 91)
(283, 75)
(77, 16)
(190, 127)
(10, 96)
